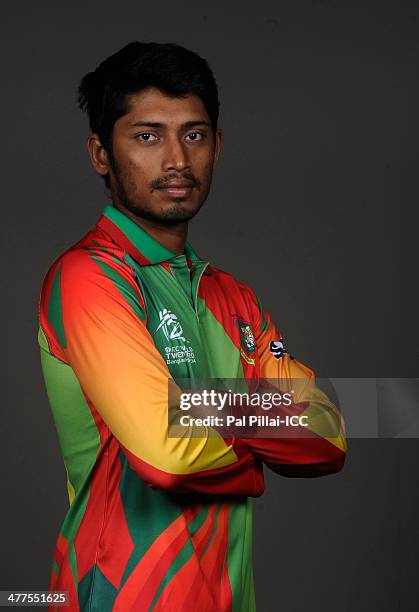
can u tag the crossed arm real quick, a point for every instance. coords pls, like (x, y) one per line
(106, 342)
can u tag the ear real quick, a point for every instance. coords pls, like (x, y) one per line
(98, 154)
(219, 137)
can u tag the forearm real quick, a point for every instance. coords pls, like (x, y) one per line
(314, 445)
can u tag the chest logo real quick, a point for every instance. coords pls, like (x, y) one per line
(277, 348)
(179, 350)
(247, 340)
(170, 325)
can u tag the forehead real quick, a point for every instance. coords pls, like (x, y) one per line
(154, 105)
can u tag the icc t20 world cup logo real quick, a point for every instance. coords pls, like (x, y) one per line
(170, 325)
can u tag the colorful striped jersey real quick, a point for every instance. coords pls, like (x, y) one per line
(156, 522)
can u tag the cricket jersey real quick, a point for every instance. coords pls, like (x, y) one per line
(158, 522)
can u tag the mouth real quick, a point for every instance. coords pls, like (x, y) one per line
(178, 191)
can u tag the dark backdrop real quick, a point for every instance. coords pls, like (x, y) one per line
(313, 205)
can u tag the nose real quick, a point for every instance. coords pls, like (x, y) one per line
(175, 155)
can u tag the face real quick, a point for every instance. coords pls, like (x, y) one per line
(163, 156)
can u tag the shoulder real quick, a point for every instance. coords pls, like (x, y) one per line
(90, 279)
(226, 278)
(229, 283)
(86, 273)
(93, 257)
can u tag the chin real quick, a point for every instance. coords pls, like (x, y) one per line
(175, 218)
(177, 214)
(176, 210)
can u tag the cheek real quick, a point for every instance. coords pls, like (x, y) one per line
(131, 161)
(135, 174)
(207, 169)
(202, 162)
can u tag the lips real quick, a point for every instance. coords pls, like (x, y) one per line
(177, 184)
(177, 188)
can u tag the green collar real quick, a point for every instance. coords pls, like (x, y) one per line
(136, 241)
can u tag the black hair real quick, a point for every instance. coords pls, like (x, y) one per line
(176, 71)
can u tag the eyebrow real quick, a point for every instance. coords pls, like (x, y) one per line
(157, 124)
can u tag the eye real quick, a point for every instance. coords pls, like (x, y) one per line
(147, 137)
(197, 136)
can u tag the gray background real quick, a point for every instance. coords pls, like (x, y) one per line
(313, 205)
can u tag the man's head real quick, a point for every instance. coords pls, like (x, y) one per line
(153, 113)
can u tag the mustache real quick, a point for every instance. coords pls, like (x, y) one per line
(162, 183)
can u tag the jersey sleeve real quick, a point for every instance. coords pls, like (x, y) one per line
(93, 315)
(320, 451)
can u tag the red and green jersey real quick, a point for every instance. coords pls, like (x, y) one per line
(156, 522)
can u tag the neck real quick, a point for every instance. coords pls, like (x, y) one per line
(172, 237)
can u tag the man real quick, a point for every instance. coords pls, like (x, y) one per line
(158, 522)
